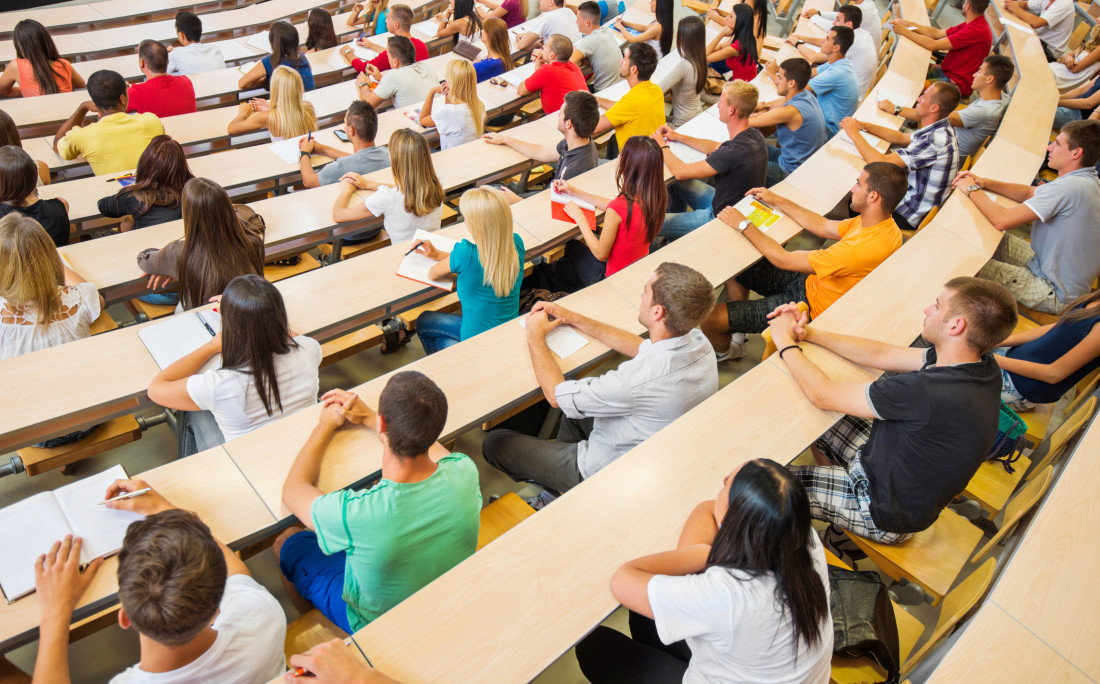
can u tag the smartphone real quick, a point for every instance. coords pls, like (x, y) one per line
(340, 134)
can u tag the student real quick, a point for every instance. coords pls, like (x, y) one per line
(966, 44)
(199, 614)
(367, 550)
(554, 74)
(658, 34)
(361, 126)
(871, 24)
(737, 55)
(511, 12)
(746, 591)
(460, 19)
(460, 118)
(1077, 104)
(37, 69)
(159, 93)
(597, 48)
(113, 142)
(981, 118)
(265, 372)
(1052, 21)
(413, 203)
(284, 52)
(759, 22)
(498, 49)
(155, 196)
(487, 270)
(556, 19)
(286, 115)
(910, 442)
(930, 155)
(863, 55)
(834, 82)
(818, 277)
(575, 154)
(400, 24)
(334, 662)
(797, 117)
(371, 15)
(608, 415)
(736, 165)
(322, 34)
(688, 78)
(19, 195)
(1063, 258)
(192, 56)
(216, 247)
(1040, 365)
(9, 135)
(631, 222)
(642, 110)
(1077, 68)
(406, 83)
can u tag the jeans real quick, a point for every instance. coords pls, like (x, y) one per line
(681, 195)
(199, 431)
(438, 330)
(550, 463)
(1011, 396)
(607, 656)
(1063, 115)
(775, 171)
(162, 298)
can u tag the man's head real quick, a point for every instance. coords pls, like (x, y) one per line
(411, 412)
(550, 5)
(996, 70)
(794, 74)
(1076, 147)
(588, 17)
(400, 18)
(677, 297)
(850, 16)
(640, 59)
(737, 101)
(838, 42)
(937, 101)
(580, 112)
(880, 184)
(975, 7)
(361, 121)
(171, 576)
(401, 51)
(978, 312)
(188, 27)
(559, 47)
(153, 57)
(107, 90)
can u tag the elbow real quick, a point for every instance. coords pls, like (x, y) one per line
(311, 181)
(156, 392)
(619, 580)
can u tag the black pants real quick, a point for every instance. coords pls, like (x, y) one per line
(607, 656)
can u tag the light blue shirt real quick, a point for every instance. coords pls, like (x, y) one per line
(837, 90)
(796, 146)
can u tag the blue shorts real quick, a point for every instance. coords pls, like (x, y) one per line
(317, 577)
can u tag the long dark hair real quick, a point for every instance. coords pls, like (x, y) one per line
(33, 43)
(1078, 309)
(640, 179)
(18, 175)
(284, 45)
(668, 27)
(760, 12)
(9, 132)
(466, 8)
(767, 530)
(322, 34)
(254, 332)
(161, 173)
(691, 43)
(743, 35)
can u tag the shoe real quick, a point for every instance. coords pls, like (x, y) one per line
(736, 350)
(541, 501)
(840, 544)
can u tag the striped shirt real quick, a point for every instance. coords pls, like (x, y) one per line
(932, 159)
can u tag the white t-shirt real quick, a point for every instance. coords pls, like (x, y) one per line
(871, 24)
(455, 124)
(1059, 15)
(736, 632)
(864, 59)
(1065, 80)
(561, 20)
(195, 58)
(251, 630)
(232, 397)
(408, 85)
(20, 334)
(400, 225)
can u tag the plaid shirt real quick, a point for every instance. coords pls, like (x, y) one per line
(932, 159)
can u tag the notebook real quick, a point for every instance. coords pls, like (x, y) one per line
(562, 340)
(260, 42)
(245, 68)
(519, 74)
(30, 527)
(759, 214)
(178, 336)
(416, 266)
(235, 49)
(557, 208)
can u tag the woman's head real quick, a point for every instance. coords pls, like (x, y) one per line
(18, 175)
(34, 44)
(216, 246)
(30, 268)
(413, 172)
(467, 9)
(495, 36)
(741, 21)
(462, 83)
(161, 173)
(322, 34)
(489, 220)
(254, 332)
(284, 44)
(640, 177)
(691, 43)
(9, 132)
(290, 114)
(663, 11)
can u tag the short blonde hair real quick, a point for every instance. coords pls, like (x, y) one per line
(743, 96)
(489, 220)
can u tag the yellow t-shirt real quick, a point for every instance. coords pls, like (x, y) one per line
(640, 112)
(113, 143)
(857, 253)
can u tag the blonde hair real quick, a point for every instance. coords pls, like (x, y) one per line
(30, 267)
(743, 96)
(489, 220)
(462, 84)
(1092, 40)
(290, 115)
(411, 165)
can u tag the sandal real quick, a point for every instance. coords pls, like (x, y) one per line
(289, 261)
(395, 334)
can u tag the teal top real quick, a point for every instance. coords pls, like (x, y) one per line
(482, 309)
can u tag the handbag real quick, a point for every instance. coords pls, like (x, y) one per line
(1011, 431)
(863, 619)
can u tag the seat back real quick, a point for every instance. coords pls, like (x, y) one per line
(956, 604)
(1084, 388)
(1017, 507)
(1065, 432)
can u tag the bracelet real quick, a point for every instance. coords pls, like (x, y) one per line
(787, 348)
(665, 147)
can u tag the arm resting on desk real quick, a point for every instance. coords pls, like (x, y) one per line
(169, 387)
(1002, 218)
(630, 583)
(871, 353)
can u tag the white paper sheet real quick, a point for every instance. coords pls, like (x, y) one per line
(102, 528)
(260, 42)
(233, 50)
(416, 266)
(519, 74)
(287, 150)
(174, 338)
(562, 340)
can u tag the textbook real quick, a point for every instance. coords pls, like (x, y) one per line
(415, 266)
(562, 340)
(759, 214)
(179, 335)
(30, 527)
(557, 208)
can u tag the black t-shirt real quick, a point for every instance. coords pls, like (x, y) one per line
(742, 164)
(936, 428)
(576, 161)
(51, 213)
(125, 204)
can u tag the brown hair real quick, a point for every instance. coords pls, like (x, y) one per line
(9, 132)
(414, 410)
(944, 95)
(1085, 135)
(686, 295)
(413, 172)
(155, 55)
(1078, 310)
(989, 310)
(33, 43)
(30, 268)
(18, 175)
(161, 173)
(640, 178)
(889, 181)
(495, 35)
(171, 576)
(1001, 68)
(322, 34)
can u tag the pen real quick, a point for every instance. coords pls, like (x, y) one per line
(127, 495)
(206, 325)
(301, 672)
(118, 178)
(309, 135)
(413, 248)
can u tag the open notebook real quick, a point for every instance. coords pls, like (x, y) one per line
(30, 527)
(416, 266)
(178, 336)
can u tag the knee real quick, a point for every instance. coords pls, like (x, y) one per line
(490, 446)
(595, 648)
(277, 547)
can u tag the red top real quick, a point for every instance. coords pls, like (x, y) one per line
(631, 243)
(162, 95)
(970, 45)
(552, 81)
(382, 61)
(62, 73)
(746, 71)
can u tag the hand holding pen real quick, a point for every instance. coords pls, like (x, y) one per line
(137, 496)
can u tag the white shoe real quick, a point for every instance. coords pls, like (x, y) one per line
(736, 350)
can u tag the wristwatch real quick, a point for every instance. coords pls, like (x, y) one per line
(897, 110)
(303, 153)
(971, 188)
(799, 42)
(743, 225)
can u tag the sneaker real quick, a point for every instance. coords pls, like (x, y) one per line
(736, 350)
(541, 501)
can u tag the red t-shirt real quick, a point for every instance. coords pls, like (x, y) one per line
(630, 242)
(552, 81)
(162, 95)
(970, 45)
(382, 61)
(746, 71)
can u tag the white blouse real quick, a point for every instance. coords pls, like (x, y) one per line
(21, 334)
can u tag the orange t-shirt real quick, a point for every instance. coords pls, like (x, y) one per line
(838, 268)
(28, 85)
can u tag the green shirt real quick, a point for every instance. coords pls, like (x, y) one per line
(400, 536)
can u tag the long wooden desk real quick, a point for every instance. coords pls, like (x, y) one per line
(94, 15)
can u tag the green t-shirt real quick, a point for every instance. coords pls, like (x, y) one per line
(400, 536)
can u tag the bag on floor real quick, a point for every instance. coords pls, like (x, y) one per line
(863, 619)
(1011, 431)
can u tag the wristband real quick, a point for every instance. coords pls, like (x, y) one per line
(303, 153)
(797, 43)
(788, 348)
(665, 147)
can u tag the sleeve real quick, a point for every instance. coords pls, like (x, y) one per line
(600, 397)
(974, 115)
(382, 61)
(246, 601)
(330, 522)
(330, 173)
(387, 87)
(111, 207)
(1048, 201)
(834, 260)
(537, 80)
(621, 112)
(678, 73)
(899, 397)
(460, 257)
(963, 38)
(722, 159)
(313, 347)
(920, 153)
(690, 606)
(161, 261)
(69, 147)
(381, 201)
(201, 389)
(155, 124)
(824, 82)
(89, 298)
(584, 46)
